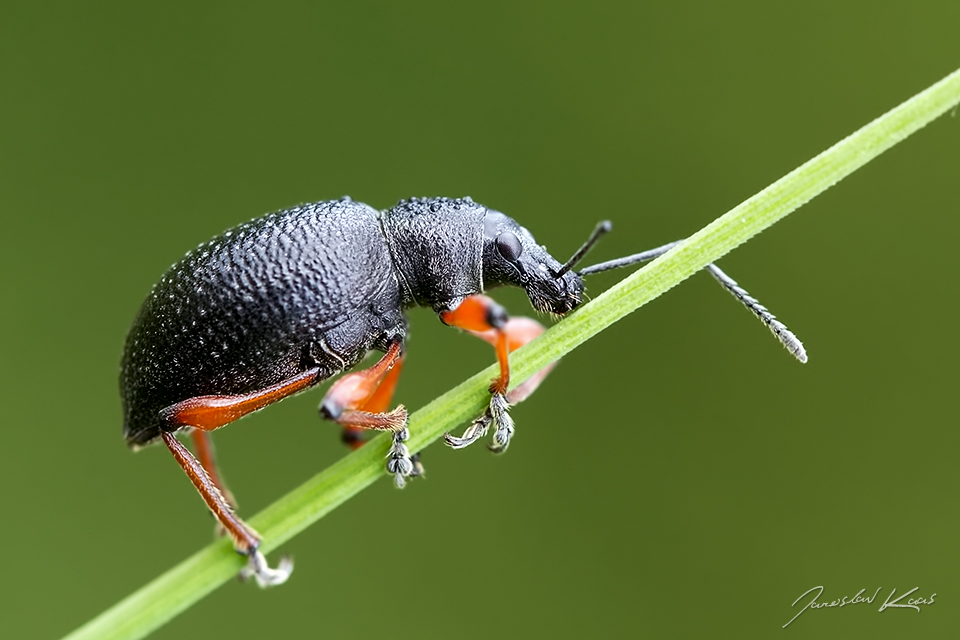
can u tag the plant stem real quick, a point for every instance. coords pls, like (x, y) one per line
(185, 584)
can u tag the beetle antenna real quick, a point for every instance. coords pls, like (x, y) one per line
(601, 228)
(784, 335)
(645, 256)
(777, 328)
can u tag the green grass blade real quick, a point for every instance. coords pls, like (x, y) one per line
(159, 601)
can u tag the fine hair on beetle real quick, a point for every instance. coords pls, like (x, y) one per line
(279, 304)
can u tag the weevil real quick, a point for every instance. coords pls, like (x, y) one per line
(283, 302)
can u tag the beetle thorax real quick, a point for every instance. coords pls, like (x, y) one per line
(436, 245)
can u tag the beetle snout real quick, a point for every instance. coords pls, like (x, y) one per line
(573, 289)
(559, 296)
(565, 305)
(568, 303)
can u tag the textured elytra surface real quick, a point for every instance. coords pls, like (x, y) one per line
(305, 287)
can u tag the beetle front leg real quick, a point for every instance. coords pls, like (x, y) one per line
(489, 321)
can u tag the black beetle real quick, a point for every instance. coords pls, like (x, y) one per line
(281, 303)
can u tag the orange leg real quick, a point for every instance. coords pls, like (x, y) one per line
(206, 413)
(484, 318)
(344, 399)
(481, 315)
(212, 412)
(357, 402)
(519, 331)
(245, 539)
(376, 403)
(203, 450)
(352, 435)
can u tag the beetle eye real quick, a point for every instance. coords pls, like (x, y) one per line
(508, 245)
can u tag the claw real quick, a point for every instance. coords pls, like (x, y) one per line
(418, 470)
(258, 569)
(398, 458)
(496, 414)
(477, 429)
(499, 408)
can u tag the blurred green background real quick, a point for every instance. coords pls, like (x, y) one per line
(678, 476)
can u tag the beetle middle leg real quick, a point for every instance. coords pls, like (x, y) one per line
(358, 401)
(377, 403)
(489, 321)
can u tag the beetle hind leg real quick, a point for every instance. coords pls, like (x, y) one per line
(245, 540)
(207, 413)
(204, 452)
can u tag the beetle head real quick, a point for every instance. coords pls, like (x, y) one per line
(511, 256)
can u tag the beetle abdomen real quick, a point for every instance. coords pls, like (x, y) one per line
(311, 286)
